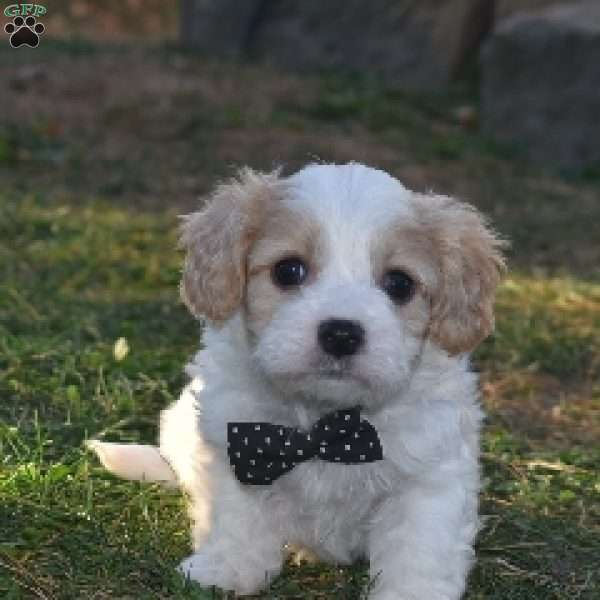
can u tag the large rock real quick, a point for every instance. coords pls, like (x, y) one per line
(415, 43)
(219, 27)
(541, 83)
(506, 8)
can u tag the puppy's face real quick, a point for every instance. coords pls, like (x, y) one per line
(341, 275)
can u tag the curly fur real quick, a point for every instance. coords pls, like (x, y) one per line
(413, 514)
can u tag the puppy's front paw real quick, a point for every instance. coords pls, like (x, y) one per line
(210, 569)
(413, 592)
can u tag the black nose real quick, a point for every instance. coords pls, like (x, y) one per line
(340, 337)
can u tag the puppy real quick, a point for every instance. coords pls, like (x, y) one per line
(332, 296)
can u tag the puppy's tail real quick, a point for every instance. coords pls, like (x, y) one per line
(134, 461)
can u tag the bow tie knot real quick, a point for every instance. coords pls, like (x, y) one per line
(259, 453)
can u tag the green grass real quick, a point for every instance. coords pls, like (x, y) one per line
(75, 280)
(551, 325)
(79, 274)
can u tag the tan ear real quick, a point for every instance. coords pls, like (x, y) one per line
(470, 263)
(217, 240)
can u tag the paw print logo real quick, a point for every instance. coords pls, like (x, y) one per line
(24, 32)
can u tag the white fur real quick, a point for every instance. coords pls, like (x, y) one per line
(413, 514)
(134, 461)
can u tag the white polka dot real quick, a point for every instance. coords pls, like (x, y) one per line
(234, 430)
(267, 440)
(323, 450)
(326, 427)
(252, 462)
(370, 444)
(281, 432)
(249, 475)
(269, 465)
(245, 441)
(337, 458)
(229, 444)
(347, 447)
(287, 443)
(259, 451)
(308, 436)
(267, 479)
(300, 453)
(356, 436)
(342, 431)
(362, 457)
(237, 454)
(257, 428)
(281, 453)
(283, 465)
(323, 443)
(347, 418)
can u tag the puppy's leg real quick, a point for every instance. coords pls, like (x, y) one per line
(243, 549)
(134, 461)
(420, 544)
(180, 447)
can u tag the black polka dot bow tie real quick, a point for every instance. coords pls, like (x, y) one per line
(259, 453)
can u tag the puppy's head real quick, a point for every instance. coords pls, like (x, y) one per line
(341, 275)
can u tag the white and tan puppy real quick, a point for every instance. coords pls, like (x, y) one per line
(333, 288)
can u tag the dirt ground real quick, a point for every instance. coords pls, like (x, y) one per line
(160, 129)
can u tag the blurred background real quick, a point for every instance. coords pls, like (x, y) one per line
(126, 113)
(151, 101)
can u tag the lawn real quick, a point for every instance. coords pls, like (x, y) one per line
(101, 147)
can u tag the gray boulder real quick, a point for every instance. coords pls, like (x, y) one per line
(541, 83)
(415, 43)
(219, 27)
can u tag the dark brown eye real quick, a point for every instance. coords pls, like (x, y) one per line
(289, 272)
(399, 286)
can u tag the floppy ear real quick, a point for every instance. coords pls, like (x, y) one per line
(470, 264)
(217, 240)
